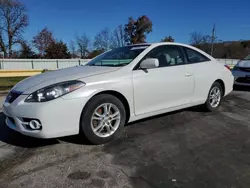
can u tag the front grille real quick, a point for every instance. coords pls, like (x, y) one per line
(12, 96)
(246, 69)
(243, 80)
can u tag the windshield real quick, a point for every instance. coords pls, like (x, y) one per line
(119, 56)
(248, 57)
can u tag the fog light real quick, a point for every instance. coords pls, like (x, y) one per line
(34, 124)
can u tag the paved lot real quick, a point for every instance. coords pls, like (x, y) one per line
(188, 148)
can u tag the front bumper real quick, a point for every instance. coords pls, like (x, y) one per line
(59, 117)
(241, 78)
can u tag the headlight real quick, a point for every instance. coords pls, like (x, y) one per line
(54, 91)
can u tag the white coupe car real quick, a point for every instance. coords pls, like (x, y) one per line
(119, 86)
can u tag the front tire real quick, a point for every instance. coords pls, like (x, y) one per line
(214, 97)
(103, 118)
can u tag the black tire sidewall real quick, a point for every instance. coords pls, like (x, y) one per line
(89, 110)
(207, 104)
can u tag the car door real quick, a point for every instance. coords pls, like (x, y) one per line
(204, 72)
(166, 86)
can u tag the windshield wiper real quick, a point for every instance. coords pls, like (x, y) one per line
(120, 65)
(110, 65)
(94, 65)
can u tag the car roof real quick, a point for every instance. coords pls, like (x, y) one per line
(173, 43)
(140, 44)
(160, 43)
(170, 43)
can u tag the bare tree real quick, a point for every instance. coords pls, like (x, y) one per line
(13, 20)
(72, 47)
(83, 43)
(42, 40)
(104, 40)
(197, 38)
(118, 39)
(203, 42)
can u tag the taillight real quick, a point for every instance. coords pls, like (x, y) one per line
(228, 67)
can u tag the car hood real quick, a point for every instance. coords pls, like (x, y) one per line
(243, 63)
(39, 81)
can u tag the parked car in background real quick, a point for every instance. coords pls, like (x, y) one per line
(119, 86)
(241, 72)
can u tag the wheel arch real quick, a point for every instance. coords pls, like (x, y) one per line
(118, 95)
(220, 81)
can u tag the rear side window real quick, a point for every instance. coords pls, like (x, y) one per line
(247, 58)
(194, 56)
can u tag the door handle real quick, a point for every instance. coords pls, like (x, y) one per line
(188, 74)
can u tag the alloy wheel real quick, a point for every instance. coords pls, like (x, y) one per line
(215, 97)
(105, 120)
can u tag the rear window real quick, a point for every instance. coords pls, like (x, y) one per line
(194, 56)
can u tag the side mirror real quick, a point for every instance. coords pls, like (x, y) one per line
(149, 63)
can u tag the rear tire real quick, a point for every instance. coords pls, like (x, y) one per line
(103, 118)
(214, 97)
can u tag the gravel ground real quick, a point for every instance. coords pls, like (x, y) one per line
(188, 148)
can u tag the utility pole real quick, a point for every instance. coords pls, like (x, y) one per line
(213, 38)
(1, 63)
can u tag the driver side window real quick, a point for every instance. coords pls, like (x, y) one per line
(168, 55)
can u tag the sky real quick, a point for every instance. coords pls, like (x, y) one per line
(177, 18)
